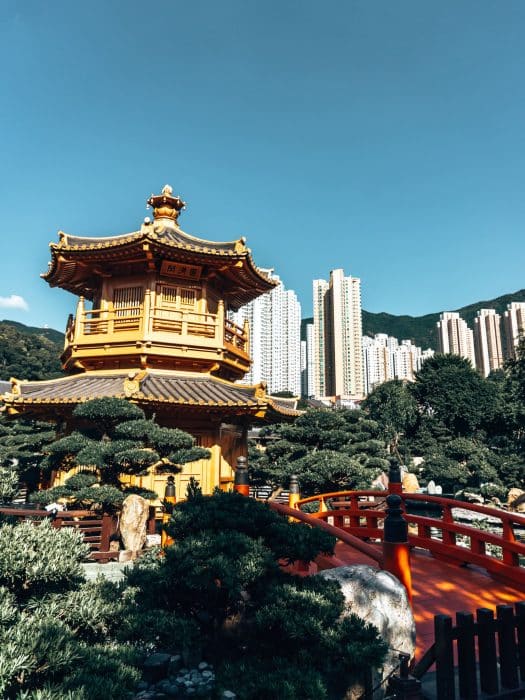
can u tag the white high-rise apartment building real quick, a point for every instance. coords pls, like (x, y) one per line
(487, 341)
(384, 358)
(378, 360)
(514, 326)
(337, 338)
(455, 337)
(274, 320)
(307, 360)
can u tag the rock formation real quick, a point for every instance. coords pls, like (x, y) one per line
(133, 523)
(516, 500)
(379, 598)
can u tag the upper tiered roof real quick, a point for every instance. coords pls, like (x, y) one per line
(78, 262)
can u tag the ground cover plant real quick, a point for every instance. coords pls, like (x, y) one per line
(58, 633)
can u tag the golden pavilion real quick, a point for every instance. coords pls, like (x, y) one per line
(152, 326)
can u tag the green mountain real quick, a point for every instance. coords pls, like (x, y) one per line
(29, 353)
(422, 329)
(55, 336)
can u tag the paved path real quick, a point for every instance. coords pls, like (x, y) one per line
(113, 570)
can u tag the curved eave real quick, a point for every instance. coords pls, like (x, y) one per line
(276, 411)
(68, 270)
(155, 389)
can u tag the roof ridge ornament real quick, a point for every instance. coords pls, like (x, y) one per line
(166, 205)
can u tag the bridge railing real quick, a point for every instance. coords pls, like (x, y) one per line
(498, 550)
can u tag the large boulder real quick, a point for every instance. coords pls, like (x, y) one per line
(516, 500)
(410, 483)
(133, 518)
(380, 599)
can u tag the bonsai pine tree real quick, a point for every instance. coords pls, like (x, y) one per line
(114, 437)
(329, 450)
(21, 453)
(268, 633)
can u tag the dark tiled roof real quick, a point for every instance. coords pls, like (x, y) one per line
(201, 390)
(179, 237)
(171, 235)
(4, 386)
(78, 387)
(154, 387)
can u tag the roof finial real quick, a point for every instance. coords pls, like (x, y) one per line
(166, 205)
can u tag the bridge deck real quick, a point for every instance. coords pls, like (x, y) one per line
(441, 587)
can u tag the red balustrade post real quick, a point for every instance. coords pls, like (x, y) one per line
(509, 557)
(448, 536)
(396, 550)
(395, 483)
(241, 483)
(106, 531)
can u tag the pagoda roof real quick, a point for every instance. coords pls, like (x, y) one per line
(148, 387)
(77, 262)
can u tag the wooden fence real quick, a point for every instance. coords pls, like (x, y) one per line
(97, 529)
(489, 652)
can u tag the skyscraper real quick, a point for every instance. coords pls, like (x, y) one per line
(455, 337)
(307, 358)
(274, 320)
(337, 337)
(487, 341)
(514, 326)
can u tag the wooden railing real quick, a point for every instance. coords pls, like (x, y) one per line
(490, 652)
(185, 323)
(345, 537)
(101, 322)
(234, 335)
(96, 528)
(502, 554)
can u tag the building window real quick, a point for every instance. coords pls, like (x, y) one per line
(127, 301)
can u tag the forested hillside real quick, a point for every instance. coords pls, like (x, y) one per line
(422, 329)
(29, 353)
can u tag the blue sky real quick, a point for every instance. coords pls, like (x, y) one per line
(386, 138)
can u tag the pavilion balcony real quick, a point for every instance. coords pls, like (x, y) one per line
(130, 331)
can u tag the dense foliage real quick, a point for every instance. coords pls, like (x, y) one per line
(114, 438)
(468, 431)
(268, 634)
(29, 353)
(329, 450)
(219, 591)
(22, 445)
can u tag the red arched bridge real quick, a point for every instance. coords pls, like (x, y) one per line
(462, 556)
